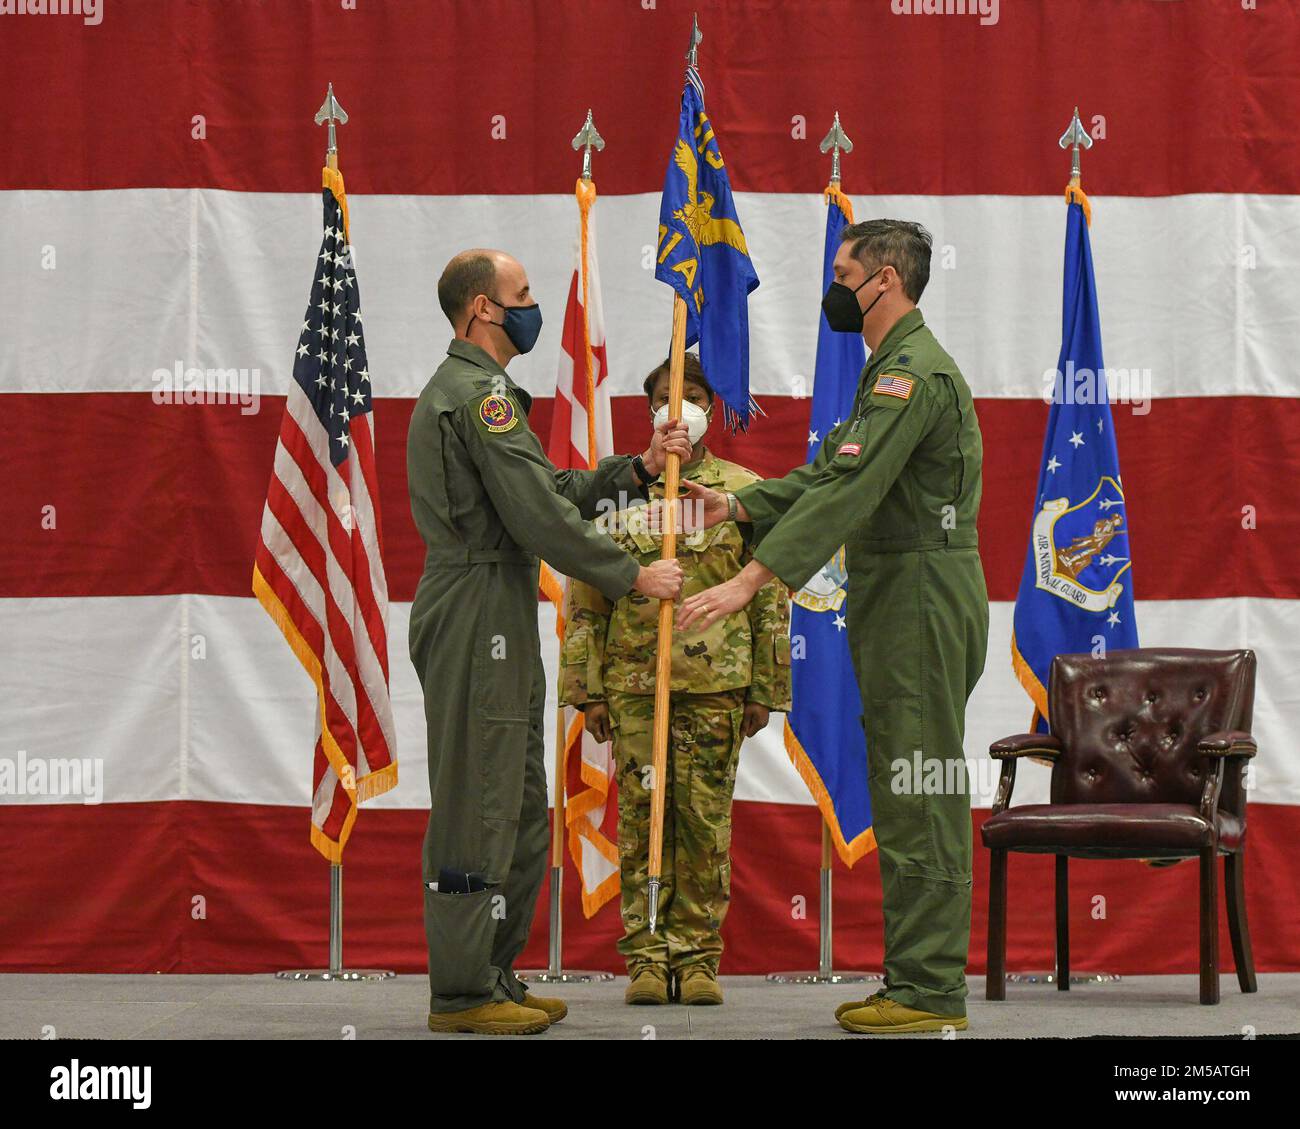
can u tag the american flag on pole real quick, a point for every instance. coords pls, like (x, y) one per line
(319, 570)
(582, 435)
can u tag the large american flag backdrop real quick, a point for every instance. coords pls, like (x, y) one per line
(160, 212)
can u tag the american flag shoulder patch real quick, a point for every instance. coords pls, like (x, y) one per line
(891, 384)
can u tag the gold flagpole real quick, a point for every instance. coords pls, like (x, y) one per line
(664, 655)
(586, 139)
(332, 112)
(835, 142)
(668, 552)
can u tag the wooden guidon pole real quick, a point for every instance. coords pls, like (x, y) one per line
(664, 654)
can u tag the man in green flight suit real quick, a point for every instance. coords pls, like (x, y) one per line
(898, 484)
(488, 504)
(725, 680)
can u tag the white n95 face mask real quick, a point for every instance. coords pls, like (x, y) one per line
(695, 418)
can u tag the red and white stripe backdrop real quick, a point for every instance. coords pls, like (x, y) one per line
(129, 634)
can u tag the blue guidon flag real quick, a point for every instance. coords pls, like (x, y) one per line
(823, 731)
(1076, 593)
(702, 255)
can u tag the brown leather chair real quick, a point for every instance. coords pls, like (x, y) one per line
(1148, 750)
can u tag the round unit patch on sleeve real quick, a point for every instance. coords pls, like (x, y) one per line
(497, 413)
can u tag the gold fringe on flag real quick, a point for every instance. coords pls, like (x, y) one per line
(371, 785)
(1074, 194)
(865, 842)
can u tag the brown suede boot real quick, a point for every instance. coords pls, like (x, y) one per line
(497, 1018)
(698, 984)
(555, 1009)
(648, 985)
(885, 1016)
(853, 1005)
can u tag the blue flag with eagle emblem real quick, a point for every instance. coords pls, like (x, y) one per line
(1076, 593)
(823, 731)
(703, 256)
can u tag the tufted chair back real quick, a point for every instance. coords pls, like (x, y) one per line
(1130, 723)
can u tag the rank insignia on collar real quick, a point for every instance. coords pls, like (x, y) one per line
(497, 413)
(894, 385)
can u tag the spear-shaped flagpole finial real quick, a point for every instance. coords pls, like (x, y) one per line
(330, 111)
(692, 52)
(836, 142)
(586, 140)
(1075, 135)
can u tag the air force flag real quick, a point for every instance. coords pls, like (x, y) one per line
(1076, 593)
(823, 732)
(703, 256)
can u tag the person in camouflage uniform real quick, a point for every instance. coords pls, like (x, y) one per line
(724, 682)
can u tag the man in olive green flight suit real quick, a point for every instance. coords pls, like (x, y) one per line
(898, 484)
(488, 504)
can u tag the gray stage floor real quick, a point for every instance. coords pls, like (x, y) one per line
(261, 1007)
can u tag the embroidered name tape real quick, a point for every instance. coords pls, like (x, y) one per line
(900, 386)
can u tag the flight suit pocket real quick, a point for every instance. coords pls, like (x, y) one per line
(503, 747)
(459, 929)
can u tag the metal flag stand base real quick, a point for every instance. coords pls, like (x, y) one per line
(557, 973)
(1075, 977)
(336, 971)
(825, 972)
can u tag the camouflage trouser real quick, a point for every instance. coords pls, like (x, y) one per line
(703, 749)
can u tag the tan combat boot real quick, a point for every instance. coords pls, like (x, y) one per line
(501, 1017)
(885, 1016)
(699, 985)
(853, 1005)
(555, 1009)
(648, 985)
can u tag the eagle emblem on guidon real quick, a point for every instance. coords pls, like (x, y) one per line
(497, 413)
(1070, 548)
(825, 591)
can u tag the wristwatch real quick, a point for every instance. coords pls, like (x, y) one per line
(731, 507)
(638, 465)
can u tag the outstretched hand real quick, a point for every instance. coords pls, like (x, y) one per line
(705, 608)
(698, 508)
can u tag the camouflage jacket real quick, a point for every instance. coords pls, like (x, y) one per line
(611, 644)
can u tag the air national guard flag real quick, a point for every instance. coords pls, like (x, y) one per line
(823, 732)
(703, 256)
(1076, 594)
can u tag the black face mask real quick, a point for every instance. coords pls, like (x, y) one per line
(840, 305)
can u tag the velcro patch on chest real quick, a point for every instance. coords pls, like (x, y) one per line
(849, 449)
(892, 384)
(497, 413)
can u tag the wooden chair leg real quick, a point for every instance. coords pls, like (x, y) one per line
(996, 985)
(1062, 923)
(1234, 887)
(1209, 927)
